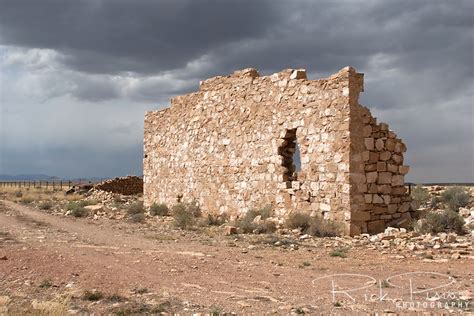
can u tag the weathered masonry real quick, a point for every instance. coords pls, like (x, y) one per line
(231, 146)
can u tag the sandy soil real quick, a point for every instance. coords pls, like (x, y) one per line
(48, 262)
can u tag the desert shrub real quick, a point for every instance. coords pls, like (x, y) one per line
(434, 203)
(320, 227)
(46, 205)
(118, 199)
(116, 298)
(185, 214)
(88, 202)
(420, 195)
(455, 197)
(18, 194)
(247, 223)
(159, 209)
(79, 212)
(265, 227)
(137, 218)
(193, 208)
(339, 252)
(216, 219)
(26, 199)
(136, 208)
(46, 284)
(92, 295)
(445, 221)
(298, 220)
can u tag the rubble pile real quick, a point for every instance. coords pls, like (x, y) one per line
(126, 185)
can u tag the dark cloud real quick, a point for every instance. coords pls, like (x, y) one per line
(141, 36)
(417, 57)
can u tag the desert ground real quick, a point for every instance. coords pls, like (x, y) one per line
(55, 260)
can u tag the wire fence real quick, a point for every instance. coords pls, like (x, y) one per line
(60, 184)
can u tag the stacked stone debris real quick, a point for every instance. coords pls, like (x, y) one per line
(230, 147)
(125, 185)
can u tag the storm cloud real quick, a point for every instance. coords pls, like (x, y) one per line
(77, 76)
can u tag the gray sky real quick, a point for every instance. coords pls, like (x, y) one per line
(76, 77)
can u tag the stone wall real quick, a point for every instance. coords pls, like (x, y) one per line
(126, 185)
(229, 146)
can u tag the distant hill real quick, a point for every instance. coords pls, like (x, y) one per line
(27, 177)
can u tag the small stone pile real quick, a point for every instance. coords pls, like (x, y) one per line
(126, 185)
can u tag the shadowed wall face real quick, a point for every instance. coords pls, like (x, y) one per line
(232, 146)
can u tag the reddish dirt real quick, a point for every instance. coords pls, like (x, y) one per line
(150, 270)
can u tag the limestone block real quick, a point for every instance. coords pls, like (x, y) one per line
(298, 74)
(368, 198)
(360, 216)
(398, 180)
(384, 178)
(369, 143)
(381, 166)
(392, 168)
(375, 227)
(379, 145)
(376, 199)
(385, 155)
(403, 169)
(371, 177)
(373, 157)
(367, 131)
(398, 159)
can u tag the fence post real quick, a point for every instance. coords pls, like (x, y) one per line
(61, 184)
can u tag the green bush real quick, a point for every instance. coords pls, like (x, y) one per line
(46, 205)
(18, 194)
(159, 209)
(455, 197)
(420, 195)
(446, 221)
(136, 208)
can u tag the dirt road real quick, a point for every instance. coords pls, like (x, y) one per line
(143, 269)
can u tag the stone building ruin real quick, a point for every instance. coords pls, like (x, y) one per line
(231, 145)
